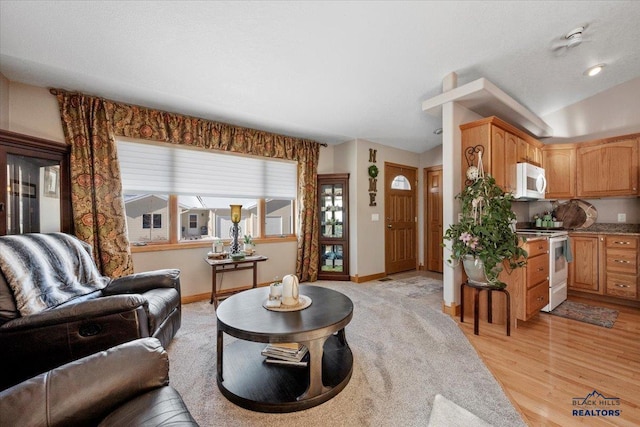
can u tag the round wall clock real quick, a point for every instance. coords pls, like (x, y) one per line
(373, 171)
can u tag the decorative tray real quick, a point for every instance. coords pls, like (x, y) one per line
(303, 302)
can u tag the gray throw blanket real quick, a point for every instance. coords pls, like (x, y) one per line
(46, 270)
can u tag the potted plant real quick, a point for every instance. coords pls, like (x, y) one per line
(248, 243)
(485, 235)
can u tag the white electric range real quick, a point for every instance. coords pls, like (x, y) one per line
(558, 266)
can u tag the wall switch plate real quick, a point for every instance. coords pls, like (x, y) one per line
(622, 217)
(375, 217)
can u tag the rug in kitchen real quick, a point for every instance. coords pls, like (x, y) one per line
(600, 316)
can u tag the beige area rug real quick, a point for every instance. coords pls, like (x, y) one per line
(406, 351)
(446, 413)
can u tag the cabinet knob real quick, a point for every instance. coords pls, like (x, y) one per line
(540, 268)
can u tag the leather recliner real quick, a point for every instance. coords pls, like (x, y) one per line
(139, 305)
(126, 385)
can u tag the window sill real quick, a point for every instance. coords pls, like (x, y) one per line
(157, 247)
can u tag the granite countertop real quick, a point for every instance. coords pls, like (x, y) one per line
(602, 228)
(613, 228)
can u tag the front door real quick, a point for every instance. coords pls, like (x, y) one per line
(400, 217)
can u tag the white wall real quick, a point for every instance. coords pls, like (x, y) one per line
(4, 102)
(453, 115)
(616, 110)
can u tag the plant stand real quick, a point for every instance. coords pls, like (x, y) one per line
(476, 310)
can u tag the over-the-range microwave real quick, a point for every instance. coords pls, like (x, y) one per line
(530, 182)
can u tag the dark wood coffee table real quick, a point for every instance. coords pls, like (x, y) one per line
(243, 376)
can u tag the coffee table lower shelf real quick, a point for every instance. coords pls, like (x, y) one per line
(250, 382)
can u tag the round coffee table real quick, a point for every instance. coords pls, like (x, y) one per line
(247, 380)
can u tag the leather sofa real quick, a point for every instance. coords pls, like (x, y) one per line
(126, 385)
(41, 328)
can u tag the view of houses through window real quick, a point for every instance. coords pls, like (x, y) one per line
(202, 218)
(175, 194)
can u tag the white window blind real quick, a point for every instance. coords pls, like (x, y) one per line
(166, 169)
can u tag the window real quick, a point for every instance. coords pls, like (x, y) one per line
(197, 187)
(400, 182)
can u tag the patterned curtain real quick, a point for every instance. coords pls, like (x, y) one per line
(145, 123)
(96, 192)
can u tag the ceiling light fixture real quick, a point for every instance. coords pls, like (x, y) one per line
(595, 70)
(438, 131)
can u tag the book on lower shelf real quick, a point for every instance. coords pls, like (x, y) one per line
(279, 353)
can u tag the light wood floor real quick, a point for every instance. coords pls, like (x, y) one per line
(550, 360)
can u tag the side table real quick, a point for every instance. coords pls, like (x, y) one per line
(477, 288)
(224, 265)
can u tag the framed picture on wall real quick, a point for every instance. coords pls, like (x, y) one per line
(51, 183)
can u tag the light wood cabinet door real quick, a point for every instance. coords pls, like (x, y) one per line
(498, 166)
(522, 150)
(583, 271)
(607, 170)
(560, 170)
(510, 161)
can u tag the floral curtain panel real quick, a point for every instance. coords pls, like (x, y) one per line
(144, 123)
(96, 192)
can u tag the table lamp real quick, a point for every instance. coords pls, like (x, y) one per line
(236, 211)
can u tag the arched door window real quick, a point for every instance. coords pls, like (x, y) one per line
(400, 182)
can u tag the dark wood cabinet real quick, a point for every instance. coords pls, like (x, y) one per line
(35, 174)
(333, 200)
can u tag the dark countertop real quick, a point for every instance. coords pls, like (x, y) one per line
(611, 228)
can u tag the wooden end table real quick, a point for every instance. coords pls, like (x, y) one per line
(248, 381)
(224, 265)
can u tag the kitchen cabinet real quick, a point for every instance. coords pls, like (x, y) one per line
(502, 146)
(620, 266)
(608, 169)
(529, 152)
(559, 163)
(583, 271)
(533, 293)
(333, 199)
(605, 264)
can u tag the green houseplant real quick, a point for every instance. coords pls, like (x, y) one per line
(485, 236)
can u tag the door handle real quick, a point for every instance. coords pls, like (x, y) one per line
(389, 226)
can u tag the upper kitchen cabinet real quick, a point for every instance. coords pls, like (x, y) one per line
(608, 168)
(559, 163)
(529, 152)
(502, 145)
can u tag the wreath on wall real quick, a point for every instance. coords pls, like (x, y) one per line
(373, 171)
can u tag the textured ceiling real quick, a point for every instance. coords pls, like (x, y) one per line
(330, 71)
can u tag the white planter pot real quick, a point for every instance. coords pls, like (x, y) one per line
(474, 267)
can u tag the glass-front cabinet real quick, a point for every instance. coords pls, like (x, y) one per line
(333, 198)
(35, 176)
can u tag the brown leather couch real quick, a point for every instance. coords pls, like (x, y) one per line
(126, 385)
(136, 306)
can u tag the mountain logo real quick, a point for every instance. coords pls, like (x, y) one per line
(596, 404)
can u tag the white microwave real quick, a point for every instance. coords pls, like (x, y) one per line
(530, 182)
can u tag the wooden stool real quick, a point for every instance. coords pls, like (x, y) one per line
(476, 297)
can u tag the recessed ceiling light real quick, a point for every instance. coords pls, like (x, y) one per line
(595, 70)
